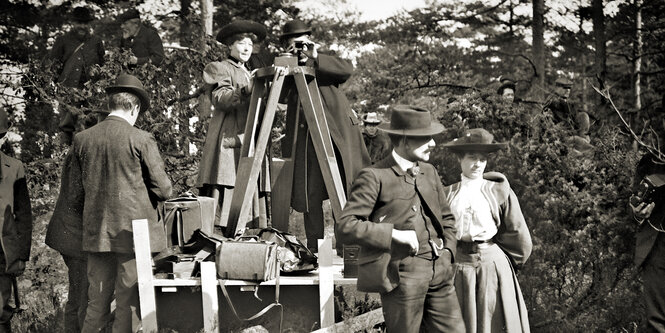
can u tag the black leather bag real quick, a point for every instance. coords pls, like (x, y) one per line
(186, 214)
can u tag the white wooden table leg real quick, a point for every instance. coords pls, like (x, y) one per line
(144, 274)
(326, 283)
(209, 297)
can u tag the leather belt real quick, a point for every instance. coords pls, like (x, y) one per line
(473, 246)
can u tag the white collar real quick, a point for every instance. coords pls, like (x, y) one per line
(402, 162)
(468, 182)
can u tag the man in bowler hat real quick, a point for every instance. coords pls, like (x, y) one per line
(76, 52)
(122, 177)
(144, 41)
(398, 213)
(564, 113)
(309, 189)
(16, 226)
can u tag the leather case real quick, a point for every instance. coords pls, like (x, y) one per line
(185, 215)
(247, 260)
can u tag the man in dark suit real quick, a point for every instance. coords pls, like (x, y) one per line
(398, 214)
(650, 246)
(15, 223)
(122, 175)
(144, 41)
(309, 190)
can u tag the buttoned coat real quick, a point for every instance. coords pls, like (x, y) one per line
(512, 235)
(16, 219)
(123, 178)
(380, 201)
(218, 164)
(146, 45)
(344, 126)
(77, 60)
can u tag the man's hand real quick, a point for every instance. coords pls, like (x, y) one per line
(133, 60)
(642, 211)
(408, 238)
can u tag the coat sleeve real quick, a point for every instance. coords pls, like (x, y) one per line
(155, 49)
(100, 51)
(226, 96)
(22, 214)
(158, 183)
(447, 219)
(333, 69)
(354, 226)
(513, 235)
(58, 50)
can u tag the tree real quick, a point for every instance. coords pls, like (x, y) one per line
(538, 45)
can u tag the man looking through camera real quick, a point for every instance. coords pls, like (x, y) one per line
(309, 189)
(649, 211)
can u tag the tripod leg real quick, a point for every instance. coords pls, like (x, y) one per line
(251, 157)
(318, 129)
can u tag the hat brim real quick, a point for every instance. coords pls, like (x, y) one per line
(241, 27)
(142, 94)
(295, 33)
(476, 147)
(434, 128)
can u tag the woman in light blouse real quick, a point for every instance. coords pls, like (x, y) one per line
(492, 236)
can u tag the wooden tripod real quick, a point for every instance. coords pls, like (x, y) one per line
(260, 117)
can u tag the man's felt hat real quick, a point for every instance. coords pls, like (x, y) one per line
(371, 118)
(4, 121)
(242, 26)
(409, 120)
(82, 14)
(129, 83)
(506, 83)
(563, 83)
(475, 140)
(131, 13)
(294, 28)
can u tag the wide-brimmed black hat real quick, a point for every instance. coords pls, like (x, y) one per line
(129, 83)
(294, 28)
(506, 83)
(409, 120)
(131, 13)
(242, 26)
(82, 14)
(475, 140)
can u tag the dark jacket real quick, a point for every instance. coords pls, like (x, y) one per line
(646, 235)
(123, 178)
(379, 202)
(513, 236)
(378, 145)
(564, 113)
(146, 46)
(16, 218)
(65, 230)
(344, 128)
(76, 61)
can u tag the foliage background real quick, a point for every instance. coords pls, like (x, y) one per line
(445, 56)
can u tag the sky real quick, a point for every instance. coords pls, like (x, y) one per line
(368, 9)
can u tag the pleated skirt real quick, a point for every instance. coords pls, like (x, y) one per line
(488, 291)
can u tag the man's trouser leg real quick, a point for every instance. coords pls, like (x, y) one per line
(654, 288)
(101, 280)
(5, 295)
(127, 315)
(424, 297)
(77, 298)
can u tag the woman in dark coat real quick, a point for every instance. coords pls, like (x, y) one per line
(230, 85)
(492, 237)
(309, 189)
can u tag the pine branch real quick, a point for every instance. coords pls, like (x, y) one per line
(653, 150)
